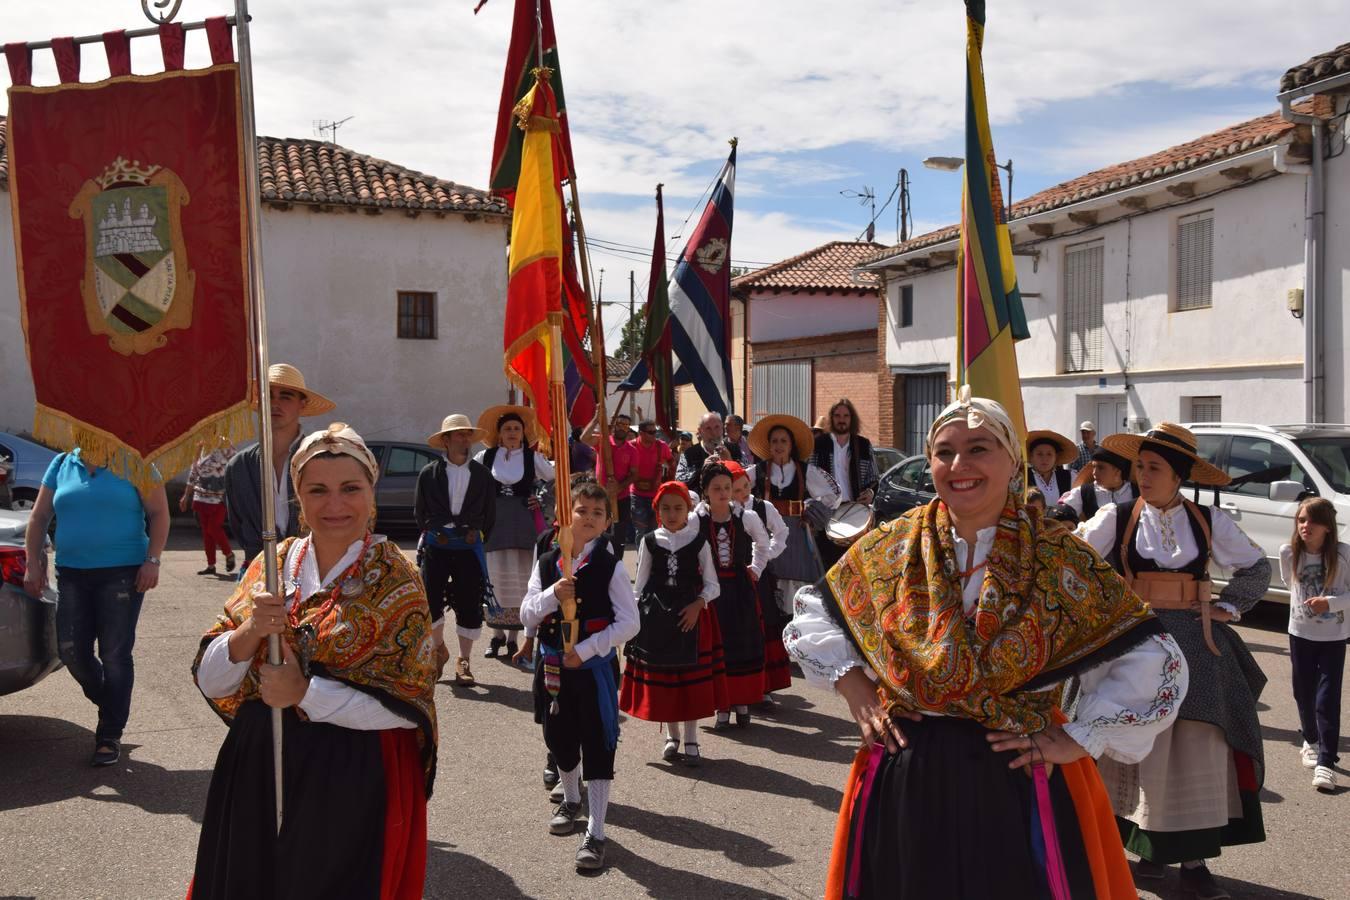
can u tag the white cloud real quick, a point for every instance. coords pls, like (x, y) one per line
(655, 89)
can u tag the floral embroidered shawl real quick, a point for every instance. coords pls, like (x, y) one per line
(378, 642)
(1049, 607)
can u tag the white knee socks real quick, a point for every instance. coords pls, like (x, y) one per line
(690, 732)
(571, 782)
(599, 803)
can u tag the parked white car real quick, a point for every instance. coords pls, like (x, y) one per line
(1273, 467)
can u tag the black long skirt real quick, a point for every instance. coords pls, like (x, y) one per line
(948, 818)
(332, 835)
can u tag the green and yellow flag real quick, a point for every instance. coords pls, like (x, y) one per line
(989, 315)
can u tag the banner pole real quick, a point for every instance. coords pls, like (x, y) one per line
(258, 310)
(597, 345)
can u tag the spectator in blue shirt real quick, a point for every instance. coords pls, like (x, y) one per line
(105, 562)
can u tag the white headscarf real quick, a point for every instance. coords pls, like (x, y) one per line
(980, 412)
(338, 438)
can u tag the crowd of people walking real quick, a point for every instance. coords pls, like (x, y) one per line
(1037, 660)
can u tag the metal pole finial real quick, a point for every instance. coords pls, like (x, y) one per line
(161, 18)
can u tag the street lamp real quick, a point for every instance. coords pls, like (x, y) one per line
(954, 164)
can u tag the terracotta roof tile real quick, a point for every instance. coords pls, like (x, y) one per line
(1210, 148)
(306, 171)
(828, 267)
(1323, 65)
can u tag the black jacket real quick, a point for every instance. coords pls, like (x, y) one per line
(862, 467)
(243, 499)
(431, 504)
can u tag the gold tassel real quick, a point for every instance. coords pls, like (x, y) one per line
(56, 429)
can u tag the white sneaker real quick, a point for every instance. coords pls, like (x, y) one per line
(1324, 779)
(1309, 754)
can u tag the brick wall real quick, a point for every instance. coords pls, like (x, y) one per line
(885, 381)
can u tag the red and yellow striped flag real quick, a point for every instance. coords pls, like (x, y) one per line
(534, 285)
(989, 315)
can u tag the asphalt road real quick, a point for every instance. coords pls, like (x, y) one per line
(754, 822)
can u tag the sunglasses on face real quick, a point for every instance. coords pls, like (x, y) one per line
(649, 431)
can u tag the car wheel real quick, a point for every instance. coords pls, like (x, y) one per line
(23, 500)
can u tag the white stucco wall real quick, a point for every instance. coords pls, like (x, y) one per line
(331, 284)
(1336, 283)
(783, 316)
(1246, 348)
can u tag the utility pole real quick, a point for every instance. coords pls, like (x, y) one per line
(632, 293)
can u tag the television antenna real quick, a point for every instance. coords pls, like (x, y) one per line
(866, 197)
(325, 127)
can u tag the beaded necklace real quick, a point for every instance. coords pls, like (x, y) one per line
(350, 576)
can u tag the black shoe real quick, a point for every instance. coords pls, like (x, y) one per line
(1148, 870)
(551, 776)
(742, 719)
(721, 724)
(1201, 883)
(564, 819)
(512, 648)
(591, 853)
(230, 563)
(106, 753)
(209, 570)
(494, 646)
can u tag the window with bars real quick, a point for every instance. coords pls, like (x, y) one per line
(783, 387)
(417, 315)
(1082, 330)
(1195, 261)
(906, 305)
(1206, 409)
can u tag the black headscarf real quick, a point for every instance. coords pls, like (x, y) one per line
(1101, 454)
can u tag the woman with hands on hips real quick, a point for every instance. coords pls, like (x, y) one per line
(950, 632)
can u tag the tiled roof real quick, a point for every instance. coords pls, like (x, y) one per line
(1231, 141)
(1323, 65)
(828, 267)
(304, 171)
(618, 368)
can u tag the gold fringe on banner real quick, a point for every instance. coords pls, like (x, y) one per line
(56, 429)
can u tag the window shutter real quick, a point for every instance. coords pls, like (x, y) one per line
(783, 387)
(925, 395)
(1083, 277)
(1195, 257)
(1206, 409)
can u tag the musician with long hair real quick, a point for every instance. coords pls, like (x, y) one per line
(847, 456)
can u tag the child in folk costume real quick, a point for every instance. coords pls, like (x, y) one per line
(1048, 454)
(675, 671)
(1316, 568)
(777, 674)
(581, 620)
(516, 469)
(797, 491)
(740, 551)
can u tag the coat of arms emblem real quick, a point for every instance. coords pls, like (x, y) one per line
(712, 256)
(136, 283)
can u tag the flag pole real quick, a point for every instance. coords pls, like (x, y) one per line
(597, 344)
(257, 308)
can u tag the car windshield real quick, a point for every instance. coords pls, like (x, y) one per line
(1331, 456)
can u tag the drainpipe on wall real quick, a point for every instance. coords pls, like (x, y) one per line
(1314, 370)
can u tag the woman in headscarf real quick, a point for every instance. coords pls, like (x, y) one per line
(517, 469)
(1198, 790)
(949, 632)
(355, 688)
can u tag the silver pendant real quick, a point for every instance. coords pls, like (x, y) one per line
(351, 587)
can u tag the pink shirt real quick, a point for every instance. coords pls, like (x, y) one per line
(647, 461)
(623, 460)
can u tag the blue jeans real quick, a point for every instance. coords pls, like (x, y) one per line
(100, 605)
(643, 517)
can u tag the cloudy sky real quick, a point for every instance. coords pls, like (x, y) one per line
(825, 97)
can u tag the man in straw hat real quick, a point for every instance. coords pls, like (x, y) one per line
(1048, 452)
(1198, 789)
(292, 400)
(455, 508)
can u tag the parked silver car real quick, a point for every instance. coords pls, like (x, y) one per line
(400, 464)
(27, 624)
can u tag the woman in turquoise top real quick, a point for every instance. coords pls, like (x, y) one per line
(105, 562)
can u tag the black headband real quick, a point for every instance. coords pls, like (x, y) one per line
(1101, 454)
(1181, 462)
(509, 417)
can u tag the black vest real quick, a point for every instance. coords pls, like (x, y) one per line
(741, 544)
(593, 603)
(1063, 478)
(522, 488)
(1198, 567)
(794, 490)
(677, 584)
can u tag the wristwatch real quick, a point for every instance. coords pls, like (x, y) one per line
(153, 560)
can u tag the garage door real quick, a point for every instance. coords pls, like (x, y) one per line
(925, 395)
(783, 387)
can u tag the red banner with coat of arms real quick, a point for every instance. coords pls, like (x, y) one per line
(130, 235)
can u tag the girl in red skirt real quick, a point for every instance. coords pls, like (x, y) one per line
(675, 672)
(740, 551)
(777, 674)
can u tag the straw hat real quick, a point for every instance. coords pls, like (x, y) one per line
(1173, 437)
(822, 423)
(801, 435)
(287, 376)
(1068, 450)
(487, 422)
(456, 422)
